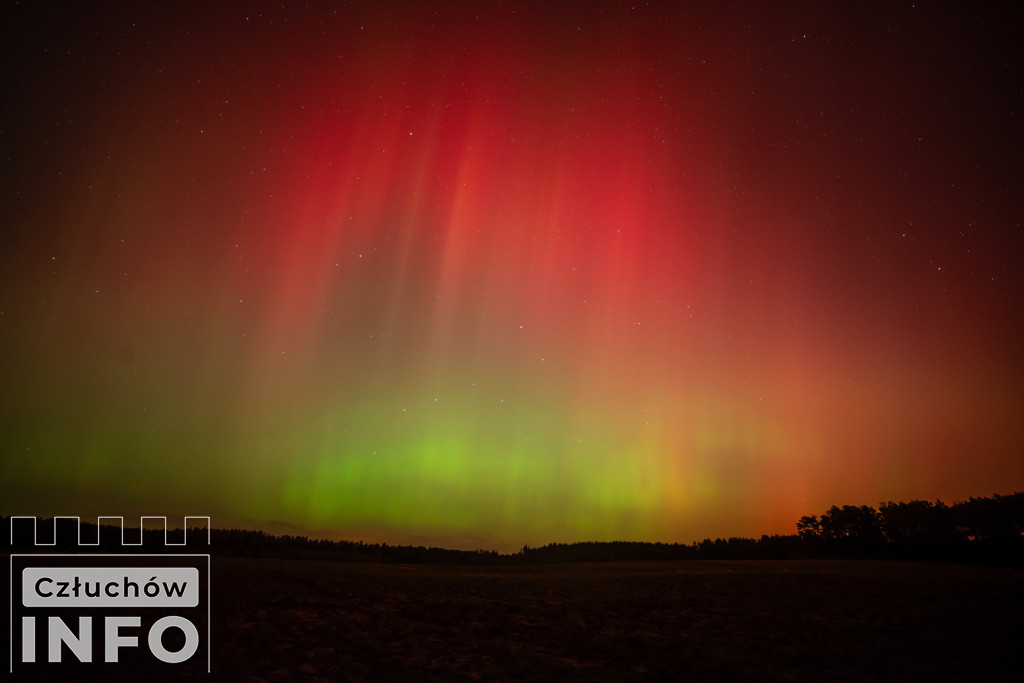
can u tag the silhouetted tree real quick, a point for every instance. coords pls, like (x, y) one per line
(852, 531)
(809, 527)
(920, 529)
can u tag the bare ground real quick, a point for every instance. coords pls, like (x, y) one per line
(282, 620)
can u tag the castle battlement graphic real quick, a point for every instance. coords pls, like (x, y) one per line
(22, 522)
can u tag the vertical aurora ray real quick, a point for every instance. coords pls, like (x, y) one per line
(494, 277)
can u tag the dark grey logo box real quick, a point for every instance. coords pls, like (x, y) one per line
(114, 614)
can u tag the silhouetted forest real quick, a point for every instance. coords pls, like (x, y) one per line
(978, 530)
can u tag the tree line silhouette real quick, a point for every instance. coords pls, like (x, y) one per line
(978, 530)
(983, 529)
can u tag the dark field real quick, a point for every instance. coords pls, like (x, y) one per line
(280, 620)
(808, 620)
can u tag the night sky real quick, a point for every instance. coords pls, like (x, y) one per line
(487, 274)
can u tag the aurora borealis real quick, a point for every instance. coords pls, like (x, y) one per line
(486, 274)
